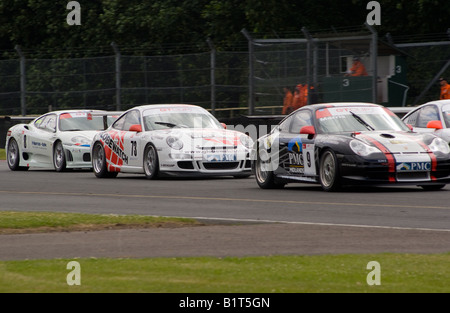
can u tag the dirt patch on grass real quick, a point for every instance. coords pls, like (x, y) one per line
(96, 227)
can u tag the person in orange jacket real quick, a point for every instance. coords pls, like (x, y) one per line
(445, 89)
(304, 94)
(357, 69)
(298, 101)
(287, 101)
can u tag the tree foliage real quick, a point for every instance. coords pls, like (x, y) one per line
(176, 26)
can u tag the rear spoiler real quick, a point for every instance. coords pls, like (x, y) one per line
(105, 115)
(19, 118)
(265, 117)
(401, 110)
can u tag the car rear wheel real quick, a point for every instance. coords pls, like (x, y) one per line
(329, 176)
(99, 162)
(13, 156)
(59, 157)
(265, 177)
(151, 162)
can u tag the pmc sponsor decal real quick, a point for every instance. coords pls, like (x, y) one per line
(114, 147)
(414, 166)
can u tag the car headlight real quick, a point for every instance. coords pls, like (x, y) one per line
(174, 142)
(439, 145)
(362, 149)
(81, 141)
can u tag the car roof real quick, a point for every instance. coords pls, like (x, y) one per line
(437, 102)
(157, 106)
(319, 106)
(72, 111)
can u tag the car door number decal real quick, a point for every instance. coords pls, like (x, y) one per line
(301, 157)
(309, 161)
(134, 152)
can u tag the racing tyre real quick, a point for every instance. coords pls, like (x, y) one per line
(99, 162)
(329, 176)
(59, 157)
(264, 176)
(432, 187)
(13, 156)
(151, 162)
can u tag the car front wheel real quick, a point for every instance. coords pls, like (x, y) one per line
(99, 162)
(59, 157)
(151, 162)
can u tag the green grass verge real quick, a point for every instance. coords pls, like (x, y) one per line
(399, 273)
(14, 221)
(2, 154)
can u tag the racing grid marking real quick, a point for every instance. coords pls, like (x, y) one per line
(224, 199)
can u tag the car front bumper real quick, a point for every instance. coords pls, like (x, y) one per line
(356, 170)
(78, 156)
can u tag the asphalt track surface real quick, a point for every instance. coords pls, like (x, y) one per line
(240, 218)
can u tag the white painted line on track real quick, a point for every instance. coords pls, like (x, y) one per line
(317, 224)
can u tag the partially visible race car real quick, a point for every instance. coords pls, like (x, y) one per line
(56, 140)
(338, 144)
(169, 140)
(431, 117)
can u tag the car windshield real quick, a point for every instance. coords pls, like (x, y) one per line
(175, 117)
(80, 121)
(350, 119)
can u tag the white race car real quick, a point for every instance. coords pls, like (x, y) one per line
(431, 117)
(56, 140)
(170, 139)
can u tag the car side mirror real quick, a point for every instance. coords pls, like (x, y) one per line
(434, 124)
(136, 128)
(308, 130)
(224, 125)
(410, 127)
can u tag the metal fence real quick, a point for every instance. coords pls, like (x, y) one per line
(214, 80)
(231, 83)
(398, 73)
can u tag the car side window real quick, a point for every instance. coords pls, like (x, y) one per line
(285, 125)
(47, 122)
(302, 118)
(412, 118)
(132, 118)
(118, 124)
(427, 113)
(39, 121)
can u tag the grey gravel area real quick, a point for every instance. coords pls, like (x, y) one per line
(221, 240)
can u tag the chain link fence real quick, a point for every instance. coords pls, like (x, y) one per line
(231, 83)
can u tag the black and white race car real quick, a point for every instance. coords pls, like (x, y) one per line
(338, 144)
